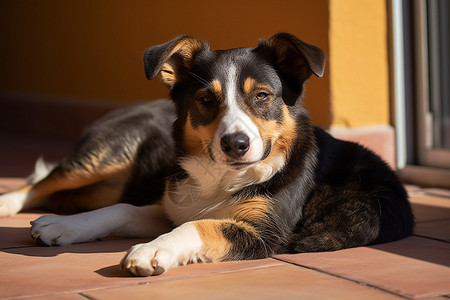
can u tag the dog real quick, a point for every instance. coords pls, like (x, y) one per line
(230, 169)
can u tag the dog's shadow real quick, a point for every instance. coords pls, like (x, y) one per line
(113, 272)
(17, 241)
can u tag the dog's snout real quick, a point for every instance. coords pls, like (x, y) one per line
(235, 145)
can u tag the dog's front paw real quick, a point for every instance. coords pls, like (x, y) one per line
(148, 259)
(55, 230)
(179, 247)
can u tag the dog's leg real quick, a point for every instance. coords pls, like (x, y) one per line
(248, 235)
(32, 196)
(120, 219)
(334, 218)
(344, 216)
(197, 241)
(69, 175)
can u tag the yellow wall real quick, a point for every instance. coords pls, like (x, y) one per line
(359, 63)
(85, 49)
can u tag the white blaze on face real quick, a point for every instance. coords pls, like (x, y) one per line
(234, 121)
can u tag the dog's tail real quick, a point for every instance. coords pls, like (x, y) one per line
(41, 170)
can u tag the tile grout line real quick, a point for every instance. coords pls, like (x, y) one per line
(431, 238)
(86, 296)
(342, 277)
(175, 279)
(434, 220)
(181, 277)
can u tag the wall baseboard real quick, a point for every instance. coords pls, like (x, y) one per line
(425, 176)
(380, 139)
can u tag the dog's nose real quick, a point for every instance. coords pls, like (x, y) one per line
(235, 145)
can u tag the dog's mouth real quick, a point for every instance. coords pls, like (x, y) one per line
(239, 165)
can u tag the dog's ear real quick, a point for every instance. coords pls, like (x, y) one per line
(172, 58)
(294, 59)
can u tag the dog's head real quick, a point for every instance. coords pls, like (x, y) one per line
(237, 107)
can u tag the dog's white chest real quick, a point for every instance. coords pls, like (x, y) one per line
(207, 193)
(188, 202)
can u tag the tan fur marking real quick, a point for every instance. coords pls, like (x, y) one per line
(281, 134)
(217, 87)
(168, 75)
(249, 85)
(215, 245)
(269, 130)
(198, 139)
(192, 139)
(24, 189)
(90, 197)
(253, 210)
(78, 178)
(288, 133)
(187, 47)
(93, 166)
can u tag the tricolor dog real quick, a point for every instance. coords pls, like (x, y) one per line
(230, 169)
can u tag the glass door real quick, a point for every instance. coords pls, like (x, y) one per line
(432, 44)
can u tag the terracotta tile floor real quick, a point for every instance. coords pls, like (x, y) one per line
(414, 268)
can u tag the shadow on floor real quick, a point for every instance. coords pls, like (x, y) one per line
(24, 245)
(419, 248)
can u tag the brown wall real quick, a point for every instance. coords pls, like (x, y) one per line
(85, 49)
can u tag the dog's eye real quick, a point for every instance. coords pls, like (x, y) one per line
(261, 96)
(205, 99)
